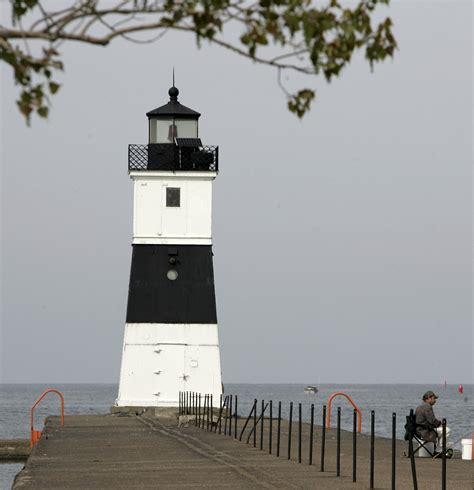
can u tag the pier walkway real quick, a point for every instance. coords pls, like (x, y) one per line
(100, 452)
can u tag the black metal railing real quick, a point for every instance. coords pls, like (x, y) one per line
(173, 157)
(219, 420)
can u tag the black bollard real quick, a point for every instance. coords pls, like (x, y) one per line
(231, 403)
(270, 429)
(311, 434)
(261, 425)
(323, 438)
(394, 449)
(235, 418)
(226, 411)
(195, 410)
(354, 446)
(411, 455)
(212, 411)
(279, 429)
(220, 415)
(372, 447)
(338, 443)
(290, 423)
(443, 462)
(255, 423)
(246, 422)
(299, 432)
(199, 411)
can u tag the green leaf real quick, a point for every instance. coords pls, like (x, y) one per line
(53, 87)
(300, 103)
(43, 111)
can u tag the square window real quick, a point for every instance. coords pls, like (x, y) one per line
(173, 197)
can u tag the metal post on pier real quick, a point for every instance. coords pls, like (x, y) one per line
(195, 410)
(220, 415)
(372, 447)
(354, 446)
(255, 423)
(199, 411)
(323, 438)
(246, 422)
(311, 435)
(279, 429)
(338, 443)
(212, 411)
(235, 418)
(299, 432)
(443, 462)
(226, 411)
(270, 429)
(290, 423)
(261, 424)
(394, 449)
(231, 403)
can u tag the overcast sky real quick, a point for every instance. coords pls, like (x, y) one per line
(342, 242)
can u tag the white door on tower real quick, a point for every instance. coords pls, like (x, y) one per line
(170, 372)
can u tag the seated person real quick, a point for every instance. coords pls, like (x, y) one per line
(427, 425)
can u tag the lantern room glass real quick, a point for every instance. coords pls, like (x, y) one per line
(167, 129)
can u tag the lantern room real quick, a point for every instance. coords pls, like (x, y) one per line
(171, 121)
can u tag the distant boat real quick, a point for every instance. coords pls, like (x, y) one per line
(310, 389)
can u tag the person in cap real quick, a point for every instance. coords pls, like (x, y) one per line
(427, 425)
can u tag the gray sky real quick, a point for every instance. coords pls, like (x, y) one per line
(342, 242)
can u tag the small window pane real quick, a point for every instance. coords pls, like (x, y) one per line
(172, 197)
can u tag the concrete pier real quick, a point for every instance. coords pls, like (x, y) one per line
(113, 451)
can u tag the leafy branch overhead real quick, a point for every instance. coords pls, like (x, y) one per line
(304, 36)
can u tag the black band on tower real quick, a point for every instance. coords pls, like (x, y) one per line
(171, 284)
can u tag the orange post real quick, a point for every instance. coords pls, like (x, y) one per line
(351, 401)
(36, 434)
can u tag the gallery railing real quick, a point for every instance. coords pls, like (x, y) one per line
(173, 157)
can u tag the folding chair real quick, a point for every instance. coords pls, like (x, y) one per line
(412, 434)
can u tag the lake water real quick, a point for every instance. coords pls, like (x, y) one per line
(16, 400)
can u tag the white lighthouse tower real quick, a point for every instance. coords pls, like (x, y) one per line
(171, 340)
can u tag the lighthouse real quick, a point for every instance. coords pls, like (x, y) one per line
(171, 337)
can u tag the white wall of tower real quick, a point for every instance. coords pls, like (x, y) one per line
(159, 360)
(155, 223)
